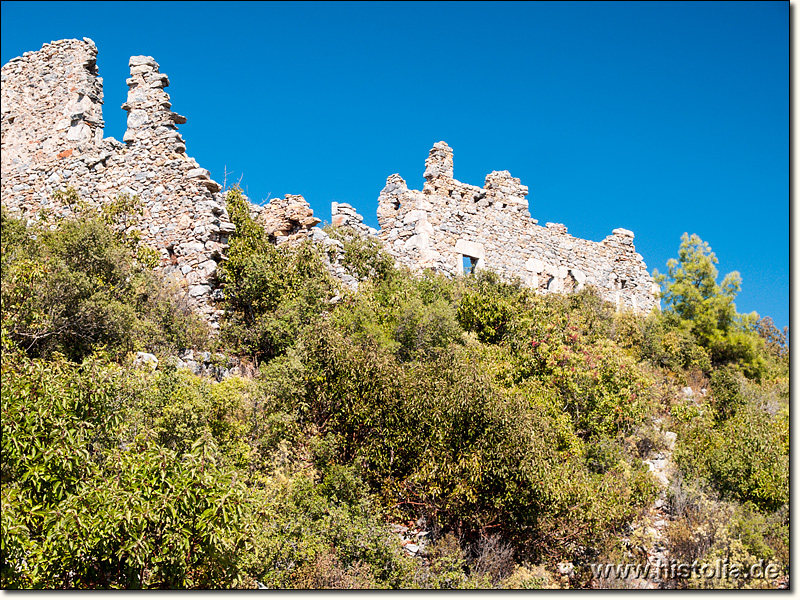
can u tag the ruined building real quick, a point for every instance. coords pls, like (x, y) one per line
(52, 138)
(451, 226)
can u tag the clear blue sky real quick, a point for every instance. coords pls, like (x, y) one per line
(660, 117)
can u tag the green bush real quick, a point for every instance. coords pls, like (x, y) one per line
(440, 435)
(746, 458)
(78, 288)
(413, 318)
(271, 292)
(297, 530)
(364, 258)
(81, 509)
(489, 307)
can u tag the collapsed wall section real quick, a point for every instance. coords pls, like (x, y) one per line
(52, 139)
(449, 223)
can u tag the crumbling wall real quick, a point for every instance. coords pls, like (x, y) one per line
(52, 138)
(344, 215)
(447, 220)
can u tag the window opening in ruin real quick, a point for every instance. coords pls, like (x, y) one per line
(469, 263)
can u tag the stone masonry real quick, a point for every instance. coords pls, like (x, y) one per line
(450, 223)
(52, 139)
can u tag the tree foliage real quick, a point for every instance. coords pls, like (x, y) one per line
(271, 292)
(705, 309)
(81, 287)
(511, 426)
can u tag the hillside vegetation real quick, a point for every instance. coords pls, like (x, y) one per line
(508, 428)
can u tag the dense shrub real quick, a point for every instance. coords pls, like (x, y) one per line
(363, 258)
(567, 348)
(490, 307)
(442, 436)
(746, 456)
(81, 509)
(412, 318)
(271, 292)
(512, 425)
(80, 287)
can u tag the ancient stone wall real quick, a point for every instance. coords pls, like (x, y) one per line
(52, 139)
(449, 223)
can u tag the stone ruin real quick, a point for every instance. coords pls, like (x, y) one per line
(453, 227)
(52, 139)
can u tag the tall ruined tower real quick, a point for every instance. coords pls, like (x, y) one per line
(52, 138)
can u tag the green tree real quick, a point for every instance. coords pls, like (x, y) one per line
(271, 292)
(693, 292)
(82, 286)
(705, 308)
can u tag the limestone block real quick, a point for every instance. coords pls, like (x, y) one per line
(207, 268)
(79, 133)
(141, 69)
(467, 248)
(551, 269)
(419, 241)
(534, 265)
(199, 290)
(412, 216)
(137, 118)
(198, 174)
(579, 276)
(623, 232)
(424, 227)
(146, 360)
(189, 248)
(211, 185)
(429, 256)
(142, 60)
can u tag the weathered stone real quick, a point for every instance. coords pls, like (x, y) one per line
(135, 61)
(143, 359)
(535, 265)
(463, 218)
(199, 290)
(198, 174)
(467, 248)
(137, 118)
